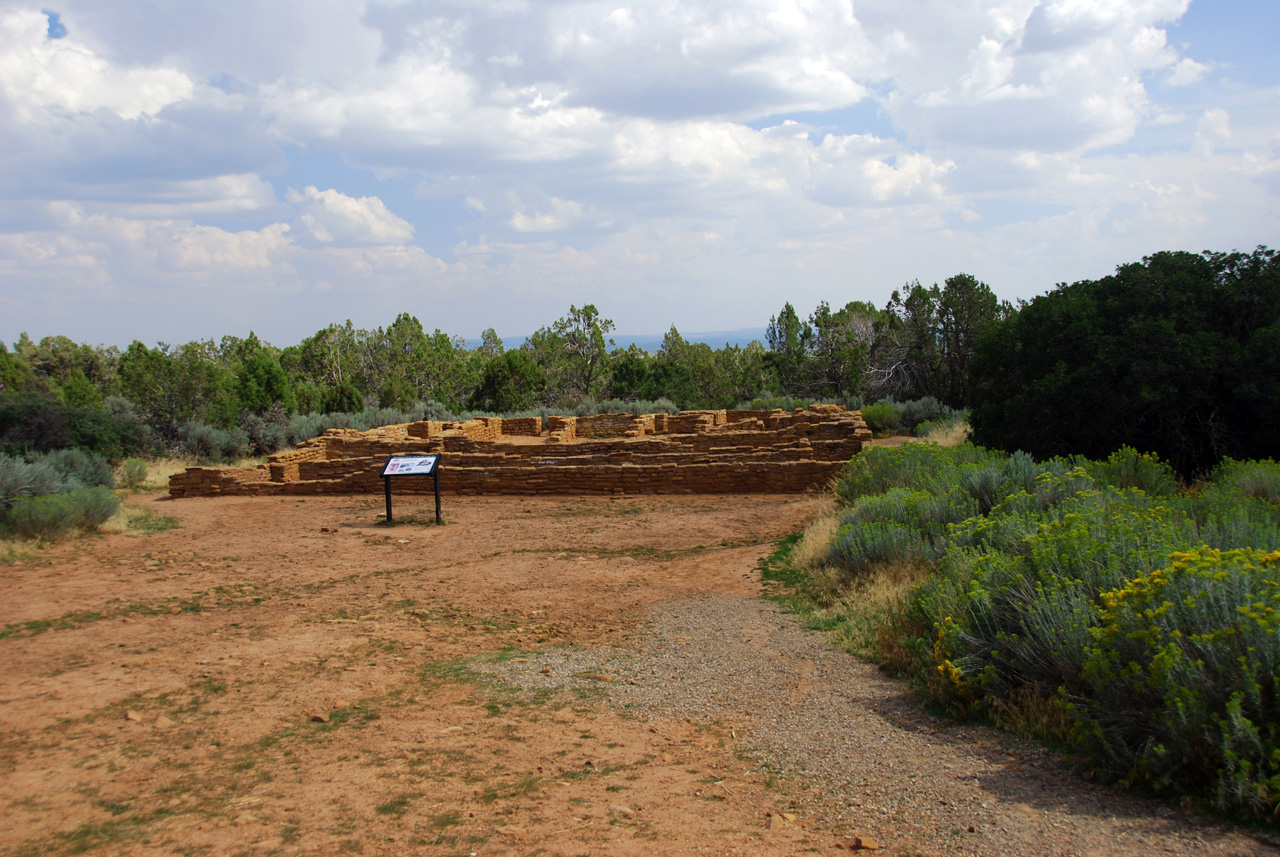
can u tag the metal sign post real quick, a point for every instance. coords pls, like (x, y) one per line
(411, 465)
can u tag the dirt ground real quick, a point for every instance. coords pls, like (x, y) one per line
(284, 675)
(287, 676)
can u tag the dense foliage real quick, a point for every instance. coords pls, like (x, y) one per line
(46, 495)
(1150, 615)
(1177, 355)
(221, 401)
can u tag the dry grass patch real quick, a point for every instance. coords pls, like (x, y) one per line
(864, 614)
(160, 469)
(137, 519)
(952, 435)
(14, 550)
(813, 551)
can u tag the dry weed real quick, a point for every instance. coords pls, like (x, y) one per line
(1033, 712)
(813, 551)
(13, 550)
(160, 469)
(117, 523)
(869, 614)
(953, 435)
(888, 584)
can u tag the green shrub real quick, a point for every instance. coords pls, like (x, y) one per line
(133, 472)
(49, 516)
(918, 466)
(1128, 468)
(15, 480)
(35, 422)
(1020, 471)
(897, 526)
(983, 482)
(637, 407)
(882, 417)
(93, 507)
(52, 516)
(1257, 479)
(921, 466)
(78, 467)
(1184, 679)
(856, 547)
(20, 478)
(209, 445)
(264, 436)
(916, 411)
(1152, 615)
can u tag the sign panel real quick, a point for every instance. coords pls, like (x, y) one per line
(410, 465)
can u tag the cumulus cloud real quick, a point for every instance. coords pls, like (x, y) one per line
(852, 169)
(192, 247)
(39, 74)
(1186, 72)
(330, 216)
(476, 145)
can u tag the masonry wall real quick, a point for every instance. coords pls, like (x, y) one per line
(707, 452)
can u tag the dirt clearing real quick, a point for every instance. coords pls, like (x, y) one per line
(558, 676)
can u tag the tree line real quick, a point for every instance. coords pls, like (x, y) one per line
(1178, 354)
(916, 345)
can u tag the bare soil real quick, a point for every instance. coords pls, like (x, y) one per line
(557, 676)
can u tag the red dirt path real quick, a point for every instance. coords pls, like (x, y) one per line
(248, 683)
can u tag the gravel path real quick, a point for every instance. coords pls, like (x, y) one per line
(871, 757)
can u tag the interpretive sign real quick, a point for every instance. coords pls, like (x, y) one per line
(411, 465)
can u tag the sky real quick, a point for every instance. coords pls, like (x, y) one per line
(173, 171)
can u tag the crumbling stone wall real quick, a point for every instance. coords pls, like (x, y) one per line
(523, 426)
(692, 452)
(615, 425)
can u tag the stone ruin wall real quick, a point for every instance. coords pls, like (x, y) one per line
(693, 452)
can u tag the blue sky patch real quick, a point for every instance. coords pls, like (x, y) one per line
(57, 29)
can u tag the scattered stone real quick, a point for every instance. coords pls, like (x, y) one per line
(175, 609)
(163, 722)
(133, 716)
(320, 717)
(862, 843)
